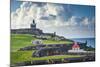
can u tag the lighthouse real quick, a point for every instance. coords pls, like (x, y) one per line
(33, 25)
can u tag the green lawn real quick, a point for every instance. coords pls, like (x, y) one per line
(21, 56)
(21, 40)
(56, 42)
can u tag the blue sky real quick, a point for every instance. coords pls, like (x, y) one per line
(71, 21)
(78, 10)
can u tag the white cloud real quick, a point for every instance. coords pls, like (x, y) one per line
(72, 21)
(48, 17)
(28, 11)
(54, 9)
(24, 15)
(85, 21)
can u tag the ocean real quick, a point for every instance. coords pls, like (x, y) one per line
(90, 41)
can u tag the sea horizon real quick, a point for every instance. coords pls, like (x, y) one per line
(90, 41)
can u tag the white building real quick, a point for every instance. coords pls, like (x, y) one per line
(37, 42)
(76, 49)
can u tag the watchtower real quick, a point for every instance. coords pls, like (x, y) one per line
(33, 25)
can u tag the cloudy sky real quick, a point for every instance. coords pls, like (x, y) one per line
(71, 21)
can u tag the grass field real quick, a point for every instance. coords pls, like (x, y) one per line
(21, 40)
(21, 56)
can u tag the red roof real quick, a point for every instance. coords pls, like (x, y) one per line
(75, 45)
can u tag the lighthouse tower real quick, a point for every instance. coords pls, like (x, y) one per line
(33, 25)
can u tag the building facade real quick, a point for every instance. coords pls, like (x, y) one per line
(76, 49)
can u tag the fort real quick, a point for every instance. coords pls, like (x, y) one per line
(38, 33)
(31, 30)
